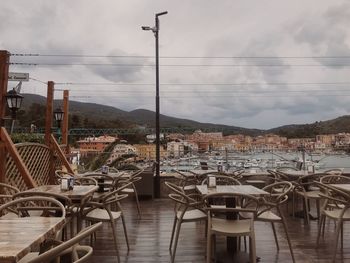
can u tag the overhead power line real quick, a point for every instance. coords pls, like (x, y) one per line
(179, 57)
(201, 96)
(37, 80)
(212, 91)
(38, 64)
(201, 84)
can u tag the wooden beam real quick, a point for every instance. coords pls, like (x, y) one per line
(61, 154)
(4, 71)
(11, 148)
(65, 118)
(49, 112)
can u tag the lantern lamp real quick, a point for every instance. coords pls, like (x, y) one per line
(14, 101)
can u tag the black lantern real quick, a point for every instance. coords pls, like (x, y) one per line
(58, 115)
(14, 101)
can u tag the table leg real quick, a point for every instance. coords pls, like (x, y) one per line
(232, 242)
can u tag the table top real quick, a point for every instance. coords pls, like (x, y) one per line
(237, 189)
(343, 187)
(296, 173)
(78, 192)
(111, 174)
(201, 172)
(19, 235)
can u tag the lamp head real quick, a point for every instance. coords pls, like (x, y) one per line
(14, 101)
(162, 13)
(146, 28)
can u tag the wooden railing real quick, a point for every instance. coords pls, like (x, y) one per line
(32, 164)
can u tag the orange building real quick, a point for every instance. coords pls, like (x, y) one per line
(95, 144)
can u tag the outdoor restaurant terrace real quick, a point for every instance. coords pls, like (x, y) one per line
(49, 211)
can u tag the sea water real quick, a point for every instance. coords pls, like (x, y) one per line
(263, 161)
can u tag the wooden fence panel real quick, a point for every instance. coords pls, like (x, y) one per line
(37, 160)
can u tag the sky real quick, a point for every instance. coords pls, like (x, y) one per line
(247, 63)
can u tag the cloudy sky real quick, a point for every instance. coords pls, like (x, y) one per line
(248, 63)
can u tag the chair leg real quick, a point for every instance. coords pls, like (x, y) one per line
(275, 235)
(209, 242)
(115, 240)
(214, 246)
(341, 236)
(306, 211)
(337, 232)
(177, 233)
(324, 226)
(125, 232)
(288, 238)
(318, 208)
(137, 201)
(252, 249)
(293, 204)
(172, 233)
(321, 224)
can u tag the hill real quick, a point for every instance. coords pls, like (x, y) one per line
(92, 115)
(338, 125)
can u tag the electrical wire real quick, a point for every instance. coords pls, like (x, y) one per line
(174, 65)
(211, 91)
(37, 80)
(201, 84)
(217, 96)
(179, 57)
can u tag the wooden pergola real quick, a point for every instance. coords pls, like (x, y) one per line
(27, 165)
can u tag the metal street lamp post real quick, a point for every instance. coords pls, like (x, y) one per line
(155, 31)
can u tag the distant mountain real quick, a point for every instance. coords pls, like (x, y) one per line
(338, 125)
(96, 113)
(101, 115)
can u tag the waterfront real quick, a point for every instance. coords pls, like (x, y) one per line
(260, 161)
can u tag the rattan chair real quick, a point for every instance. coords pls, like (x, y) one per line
(335, 179)
(223, 180)
(71, 209)
(186, 180)
(59, 174)
(77, 253)
(187, 209)
(131, 189)
(306, 187)
(6, 192)
(34, 206)
(270, 209)
(105, 182)
(102, 212)
(219, 224)
(335, 207)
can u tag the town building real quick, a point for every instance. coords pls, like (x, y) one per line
(94, 144)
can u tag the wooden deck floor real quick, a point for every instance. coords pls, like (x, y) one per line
(149, 239)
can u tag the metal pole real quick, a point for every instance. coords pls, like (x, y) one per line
(157, 182)
(155, 30)
(12, 126)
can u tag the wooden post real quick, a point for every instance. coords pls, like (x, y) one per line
(60, 153)
(4, 71)
(65, 118)
(49, 112)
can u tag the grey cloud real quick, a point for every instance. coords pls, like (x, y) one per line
(326, 35)
(120, 73)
